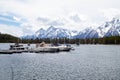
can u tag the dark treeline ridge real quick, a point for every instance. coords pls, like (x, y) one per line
(104, 40)
(6, 38)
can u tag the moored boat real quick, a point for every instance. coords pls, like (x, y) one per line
(6, 52)
(16, 48)
(64, 47)
(42, 47)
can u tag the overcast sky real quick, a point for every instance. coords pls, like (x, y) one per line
(22, 17)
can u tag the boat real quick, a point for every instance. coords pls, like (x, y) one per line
(64, 47)
(43, 47)
(16, 48)
(6, 52)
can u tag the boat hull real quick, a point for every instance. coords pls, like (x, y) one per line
(45, 49)
(64, 49)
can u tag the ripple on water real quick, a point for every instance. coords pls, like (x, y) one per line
(87, 62)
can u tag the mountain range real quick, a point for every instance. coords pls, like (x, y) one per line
(52, 32)
(109, 28)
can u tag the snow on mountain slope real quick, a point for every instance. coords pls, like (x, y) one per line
(40, 33)
(114, 29)
(52, 32)
(110, 28)
(87, 33)
(73, 33)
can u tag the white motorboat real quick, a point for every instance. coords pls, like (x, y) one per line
(64, 47)
(18, 48)
(45, 49)
(42, 47)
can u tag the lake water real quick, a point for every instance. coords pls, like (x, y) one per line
(86, 62)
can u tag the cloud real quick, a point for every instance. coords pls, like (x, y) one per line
(30, 15)
(13, 30)
(50, 21)
(42, 19)
(29, 25)
(16, 18)
(56, 23)
(16, 31)
(9, 22)
(76, 17)
(12, 23)
(110, 13)
(8, 18)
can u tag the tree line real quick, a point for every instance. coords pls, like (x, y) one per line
(104, 40)
(6, 38)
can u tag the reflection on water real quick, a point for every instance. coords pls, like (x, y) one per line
(87, 62)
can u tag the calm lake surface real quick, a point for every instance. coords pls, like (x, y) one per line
(86, 62)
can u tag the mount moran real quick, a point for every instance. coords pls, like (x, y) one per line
(110, 28)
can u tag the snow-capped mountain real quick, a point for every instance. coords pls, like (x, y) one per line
(110, 28)
(53, 32)
(40, 33)
(87, 33)
(114, 29)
